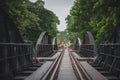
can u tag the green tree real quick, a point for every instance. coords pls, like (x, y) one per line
(101, 17)
(31, 18)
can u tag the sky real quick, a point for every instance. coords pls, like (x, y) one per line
(61, 8)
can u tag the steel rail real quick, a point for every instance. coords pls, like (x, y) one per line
(79, 71)
(76, 70)
(52, 72)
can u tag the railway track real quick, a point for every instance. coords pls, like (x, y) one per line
(84, 71)
(78, 69)
(67, 67)
(52, 73)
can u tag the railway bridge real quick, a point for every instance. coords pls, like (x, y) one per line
(20, 60)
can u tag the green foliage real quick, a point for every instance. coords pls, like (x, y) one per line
(63, 38)
(101, 17)
(31, 18)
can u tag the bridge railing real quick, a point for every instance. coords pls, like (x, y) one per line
(76, 47)
(55, 47)
(88, 50)
(109, 57)
(14, 57)
(44, 50)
